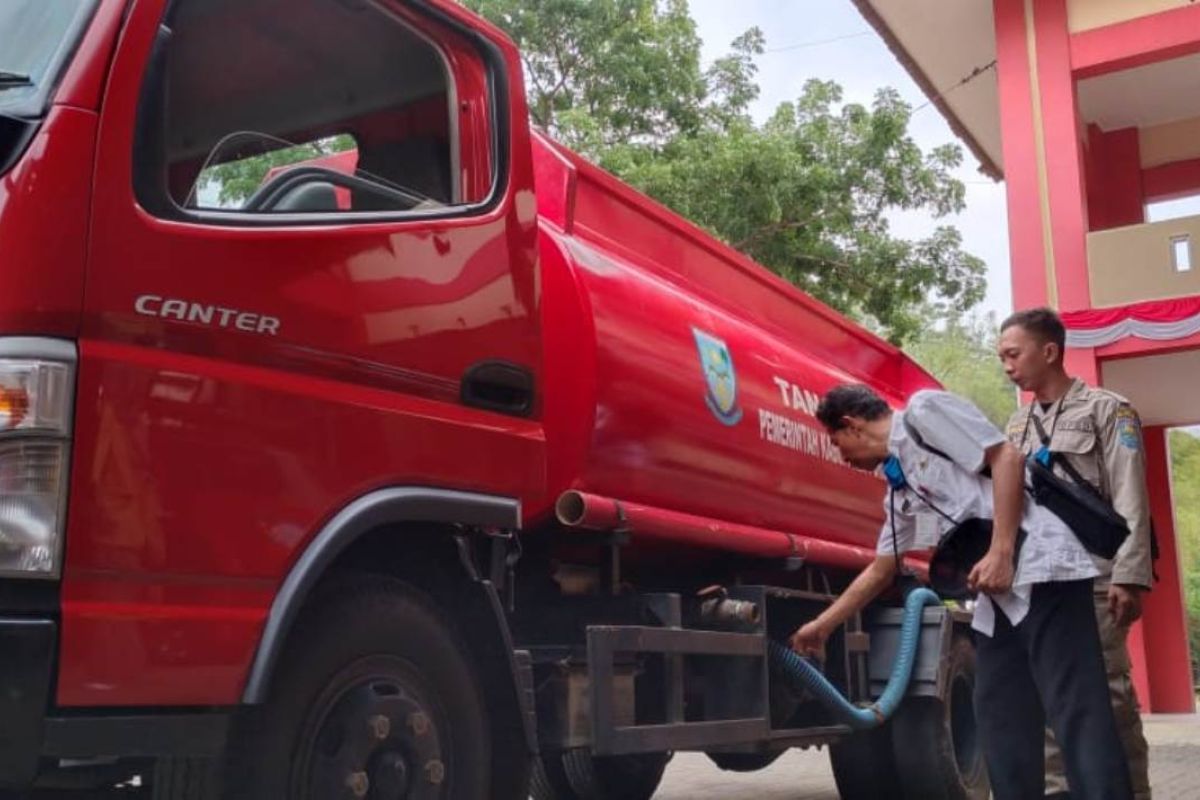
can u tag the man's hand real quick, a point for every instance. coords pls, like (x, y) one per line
(1125, 603)
(993, 574)
(809, 640)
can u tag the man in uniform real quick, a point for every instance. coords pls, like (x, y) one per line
(1038, 649)
(1100, 436)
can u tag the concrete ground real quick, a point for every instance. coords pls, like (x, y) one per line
(805, 775)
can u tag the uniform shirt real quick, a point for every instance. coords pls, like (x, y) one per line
(1100, 435)
(944, 421)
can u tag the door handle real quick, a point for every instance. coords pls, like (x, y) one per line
(499, 386)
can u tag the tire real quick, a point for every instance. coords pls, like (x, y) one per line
(550, 780)
(376, 691)
(631, 777)
(512, 759)
(186, 779)
(744, 762)
(936, 742)
(864, 767)
(512, 779)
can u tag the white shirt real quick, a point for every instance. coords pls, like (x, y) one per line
(944, 421)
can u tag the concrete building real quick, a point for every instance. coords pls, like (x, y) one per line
(1090, 112)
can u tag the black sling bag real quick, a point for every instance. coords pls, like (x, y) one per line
(1093, 520)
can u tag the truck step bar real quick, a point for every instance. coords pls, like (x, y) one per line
(677, 733)
(731, 660)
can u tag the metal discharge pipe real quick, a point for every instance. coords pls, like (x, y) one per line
(592, 512)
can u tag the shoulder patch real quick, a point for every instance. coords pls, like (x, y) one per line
(1128, 427)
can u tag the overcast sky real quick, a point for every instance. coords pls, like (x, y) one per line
(861, 63)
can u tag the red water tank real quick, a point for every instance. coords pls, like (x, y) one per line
(683, 376)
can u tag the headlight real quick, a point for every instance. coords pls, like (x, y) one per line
(35, 428)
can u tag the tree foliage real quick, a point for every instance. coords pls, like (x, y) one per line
(961, 353)
(231, 180)
(1185, 491)
(807, 193)
(615, 70)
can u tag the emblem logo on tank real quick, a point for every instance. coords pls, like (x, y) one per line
(720, 377)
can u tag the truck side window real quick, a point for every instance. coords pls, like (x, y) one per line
(270, 107)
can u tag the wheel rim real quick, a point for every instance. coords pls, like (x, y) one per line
(963, 731)
(377, 732)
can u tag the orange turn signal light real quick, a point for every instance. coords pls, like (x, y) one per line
(14, 406)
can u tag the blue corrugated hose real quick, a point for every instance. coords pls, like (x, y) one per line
(906, 655)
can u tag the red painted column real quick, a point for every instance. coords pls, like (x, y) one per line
(1081, 363)
(1114, 179)
(1063, 140)
(1020, 155)
(1164, 624)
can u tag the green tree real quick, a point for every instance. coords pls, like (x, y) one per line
(961, 353)
(234, 176)
(1185, 492)
(807, 194)
(603, 72)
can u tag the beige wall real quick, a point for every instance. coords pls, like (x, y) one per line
(1132, 264)
(1174, 141)
(1083, 15)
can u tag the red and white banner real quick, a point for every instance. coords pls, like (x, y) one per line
(1158, 320)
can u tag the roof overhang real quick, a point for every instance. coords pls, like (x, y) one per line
(941, 44)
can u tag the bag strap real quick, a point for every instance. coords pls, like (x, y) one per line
(920, 442)
(925, 499)
(1025, 430)
(924, 445)
(1061, 460)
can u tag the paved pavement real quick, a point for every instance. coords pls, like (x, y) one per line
(799, 775)
(805, 775)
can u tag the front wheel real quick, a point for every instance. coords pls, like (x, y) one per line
(376, 697)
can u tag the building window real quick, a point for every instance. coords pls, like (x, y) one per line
(1181, 253)
(1176, 208)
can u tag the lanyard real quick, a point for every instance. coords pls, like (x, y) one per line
(898, 480)
(1062, 401)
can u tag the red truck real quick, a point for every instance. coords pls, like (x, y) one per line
(357, 441)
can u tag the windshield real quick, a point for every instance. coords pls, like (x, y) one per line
(36, 36)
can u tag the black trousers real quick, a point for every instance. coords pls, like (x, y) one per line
(1048, 669)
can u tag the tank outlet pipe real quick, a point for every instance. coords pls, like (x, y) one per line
(579, 510)
(874, 715)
